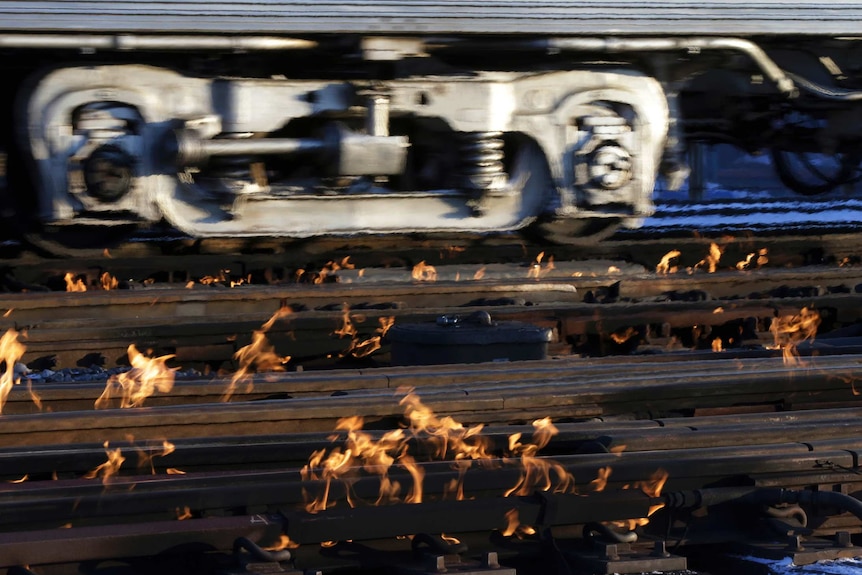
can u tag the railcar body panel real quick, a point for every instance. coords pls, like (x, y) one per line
(302, 118)
(664, 17)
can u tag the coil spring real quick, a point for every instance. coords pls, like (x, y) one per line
(482, 159)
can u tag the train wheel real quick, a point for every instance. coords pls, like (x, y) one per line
(811, 174)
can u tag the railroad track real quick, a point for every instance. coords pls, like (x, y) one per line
(521, 391)
(265, 261)
(608, 460)
(591, 311)
(253, 482)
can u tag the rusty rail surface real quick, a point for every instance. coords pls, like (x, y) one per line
(253, 487)
(680, 448)
(213, 334)
(300, 402)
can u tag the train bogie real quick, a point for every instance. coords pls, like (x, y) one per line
(482, 152)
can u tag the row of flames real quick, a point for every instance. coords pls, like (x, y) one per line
(430, 438)
(75, 283)
(147, 453)
(753, 260)
(437, 439)
(421, 272)
(424, 272)
(151, 375)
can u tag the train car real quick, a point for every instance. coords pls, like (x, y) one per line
(303, 118)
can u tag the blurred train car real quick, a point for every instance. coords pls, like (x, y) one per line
(303, 118)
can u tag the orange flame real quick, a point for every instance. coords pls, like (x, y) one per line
(601, 480)
(33, 395)
(651, 487)
(108, 282)
(791, 330)
(257, 356)
(368, 346)
(537, 271)
(282, 312)
(360, 452)
(219, 278)
(441, 437)
(423, 272)
(514, 526)
(184, 513)
(711, 260)
(11, 350)
(438, 439)
(717, 345)
(447, 439)
(109, 468)
(621, 338)
(146, 455)
(451, 251)
(750, 262)
(664, 266)
(328, 272)
(73, 283)
(284, 542)
(480, 273)
(365, 347)
(147, 376)
(536, 471)
(347, 328)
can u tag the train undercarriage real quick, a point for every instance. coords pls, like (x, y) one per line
(297, 138)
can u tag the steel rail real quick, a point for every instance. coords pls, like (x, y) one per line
(386, 285)
(486, 402)
(87, 543)
(82, 396)
(160, 495)
(390, 259)
(308, 335)
(139, 498)
(825, 428)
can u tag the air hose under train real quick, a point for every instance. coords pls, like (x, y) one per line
(762, 496)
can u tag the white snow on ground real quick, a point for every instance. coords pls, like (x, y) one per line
(757, 219)
(850, 204)
(763, 210)
(837, 567)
